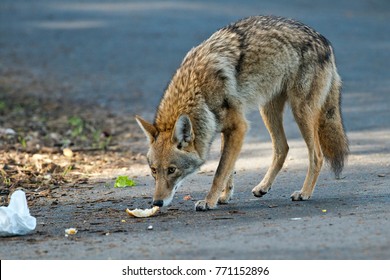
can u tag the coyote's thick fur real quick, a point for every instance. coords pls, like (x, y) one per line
(258, 62)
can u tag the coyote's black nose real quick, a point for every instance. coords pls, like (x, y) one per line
(158, 203)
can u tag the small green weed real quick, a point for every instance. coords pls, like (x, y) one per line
(77, 125)
(124, 181)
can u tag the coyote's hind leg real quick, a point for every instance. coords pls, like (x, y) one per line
(272, 114)
(308, 125)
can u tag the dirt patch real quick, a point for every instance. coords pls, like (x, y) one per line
(47, 142)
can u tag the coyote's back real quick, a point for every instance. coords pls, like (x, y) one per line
(260, 62)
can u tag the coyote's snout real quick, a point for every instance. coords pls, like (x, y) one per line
(258, 62)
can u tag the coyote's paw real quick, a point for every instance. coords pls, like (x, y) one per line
(223, 200)
(225, 196)
(298, 196)
(259, 191)
(202, 205)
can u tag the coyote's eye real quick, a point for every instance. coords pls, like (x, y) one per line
(171, 170)
(154, 170)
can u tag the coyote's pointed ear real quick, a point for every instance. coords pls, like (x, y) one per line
(149, 129)
(183, 134)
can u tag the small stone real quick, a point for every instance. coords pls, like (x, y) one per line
(295, 219)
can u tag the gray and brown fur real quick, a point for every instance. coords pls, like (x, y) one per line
(258, 62)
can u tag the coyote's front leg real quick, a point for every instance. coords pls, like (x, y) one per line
(227, 191)
(233, 136)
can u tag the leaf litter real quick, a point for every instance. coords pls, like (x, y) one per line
(46, 144)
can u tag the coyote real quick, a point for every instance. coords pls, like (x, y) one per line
(257, 62)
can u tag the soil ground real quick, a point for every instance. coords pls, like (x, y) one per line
(73, 75)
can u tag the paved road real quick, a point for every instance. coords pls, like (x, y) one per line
(121, 54)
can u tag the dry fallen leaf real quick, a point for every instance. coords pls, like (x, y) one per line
(68, 153)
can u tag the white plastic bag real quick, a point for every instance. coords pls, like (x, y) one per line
(16, 219)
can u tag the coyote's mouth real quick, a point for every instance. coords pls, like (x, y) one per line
(167, 201)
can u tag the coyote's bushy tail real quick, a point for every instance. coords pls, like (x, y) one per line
(333, 140)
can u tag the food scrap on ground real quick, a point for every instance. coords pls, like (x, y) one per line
(70, 231)
(143, 213)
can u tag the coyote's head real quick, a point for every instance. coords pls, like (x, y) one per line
(172, 157)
